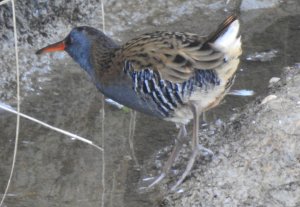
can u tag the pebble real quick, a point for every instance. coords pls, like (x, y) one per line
(274, 80)
(268, 99)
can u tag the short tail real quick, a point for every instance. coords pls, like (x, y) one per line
(226, 38)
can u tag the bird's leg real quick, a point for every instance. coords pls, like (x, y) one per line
(196, 147)
(195, 141)
(132, 124)
(179, 142)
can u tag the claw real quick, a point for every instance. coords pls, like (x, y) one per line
(157, 180)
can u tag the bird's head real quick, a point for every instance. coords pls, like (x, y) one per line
(78, 44)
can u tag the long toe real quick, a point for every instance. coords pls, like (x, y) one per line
(188, 168)
(156, 180)
(147, 183)
(199, 150)
(181, 138)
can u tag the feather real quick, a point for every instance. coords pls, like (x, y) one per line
(175, 56)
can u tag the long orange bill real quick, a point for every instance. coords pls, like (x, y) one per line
(59, 46)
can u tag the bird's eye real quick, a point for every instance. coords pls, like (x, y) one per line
(69, 40)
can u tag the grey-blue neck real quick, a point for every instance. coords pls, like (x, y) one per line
(81, 53)
(91, 49)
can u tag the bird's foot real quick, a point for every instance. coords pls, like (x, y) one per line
(199, 150)
(149, 182)
(181, 138)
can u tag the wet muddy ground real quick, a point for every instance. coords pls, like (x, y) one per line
(256, 160)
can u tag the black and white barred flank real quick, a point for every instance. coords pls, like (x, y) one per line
(167, 95)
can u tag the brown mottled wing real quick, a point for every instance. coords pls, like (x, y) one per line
(173, 55)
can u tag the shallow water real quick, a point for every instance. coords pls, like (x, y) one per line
(53, 170)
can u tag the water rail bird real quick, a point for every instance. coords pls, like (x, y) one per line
(171, 75)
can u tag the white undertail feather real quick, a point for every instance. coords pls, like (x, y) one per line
(229, 43)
